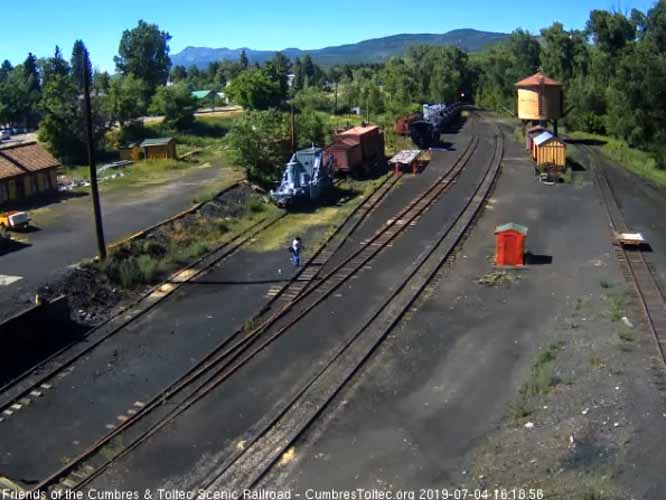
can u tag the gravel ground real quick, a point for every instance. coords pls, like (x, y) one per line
(531, 381)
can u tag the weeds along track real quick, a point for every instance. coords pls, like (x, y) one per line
(245, 468)
(635, 267)
(235, 352)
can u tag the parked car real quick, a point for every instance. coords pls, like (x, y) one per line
(5, 135)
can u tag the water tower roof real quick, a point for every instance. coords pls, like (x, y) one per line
(538, 78)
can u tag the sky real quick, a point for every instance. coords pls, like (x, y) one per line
(38, 25)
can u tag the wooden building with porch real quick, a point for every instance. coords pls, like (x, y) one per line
(26, 170)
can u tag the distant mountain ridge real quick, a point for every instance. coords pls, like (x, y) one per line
(366, 51)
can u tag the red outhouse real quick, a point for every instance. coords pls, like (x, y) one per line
(510, 244)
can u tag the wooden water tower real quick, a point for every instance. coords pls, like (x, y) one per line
(539, 99)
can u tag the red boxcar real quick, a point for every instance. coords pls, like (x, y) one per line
(356, 149)
(348, 155)
(370, 137)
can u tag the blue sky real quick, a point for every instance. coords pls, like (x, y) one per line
(38, 25)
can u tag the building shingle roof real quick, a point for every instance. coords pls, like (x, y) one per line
(24, 158)
(538, 78)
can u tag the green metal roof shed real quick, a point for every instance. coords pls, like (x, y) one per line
(511, 226)
(203, 94)
(160, 141)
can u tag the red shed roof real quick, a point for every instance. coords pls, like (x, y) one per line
(343, 145)
(360, 130)
(538, 78)
(24, 158)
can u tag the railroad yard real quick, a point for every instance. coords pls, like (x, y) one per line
(398, 357)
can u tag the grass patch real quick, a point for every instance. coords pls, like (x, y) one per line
(150, 260)
(542, 379)
(520, 409)
(498, 278)
(626, 334)
(636, 161)
(540, 382)
(616, 307)
(297, 223)
(206, 138)
(567, 175)
(597, 363)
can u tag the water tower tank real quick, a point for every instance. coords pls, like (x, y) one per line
(539, 98)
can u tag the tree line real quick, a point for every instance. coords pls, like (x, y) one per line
(613, 72)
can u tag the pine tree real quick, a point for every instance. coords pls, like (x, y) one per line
(55, 66)
(244, 61)
(5, 69)
(80, 63)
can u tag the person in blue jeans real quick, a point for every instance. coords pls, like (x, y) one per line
(295, 249)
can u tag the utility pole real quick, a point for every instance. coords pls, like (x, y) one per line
(101, 245)
(293, 129)
(335, 109)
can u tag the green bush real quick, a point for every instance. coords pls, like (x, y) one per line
(149, 268)
(256, 206)
(128, 274)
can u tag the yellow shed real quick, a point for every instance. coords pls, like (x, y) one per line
(539, 98)
(131, 152)
(159, 149)
(549, 150)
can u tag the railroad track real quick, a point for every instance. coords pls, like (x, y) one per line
(236, 352)
(44, 375)
(32, 384)
(635, 267)
(246, 469)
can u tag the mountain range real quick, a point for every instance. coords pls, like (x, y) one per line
(366, 51)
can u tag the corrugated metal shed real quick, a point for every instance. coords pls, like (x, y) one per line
(543, 138)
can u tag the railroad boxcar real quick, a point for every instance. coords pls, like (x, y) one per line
(348, 156)
(368, 140)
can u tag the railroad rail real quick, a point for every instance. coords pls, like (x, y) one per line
(43, 376)
(635, 267)
(237, 351)
(39, 377)
(246, 469)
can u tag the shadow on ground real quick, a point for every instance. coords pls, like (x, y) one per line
(537, 260)
(12, 246)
